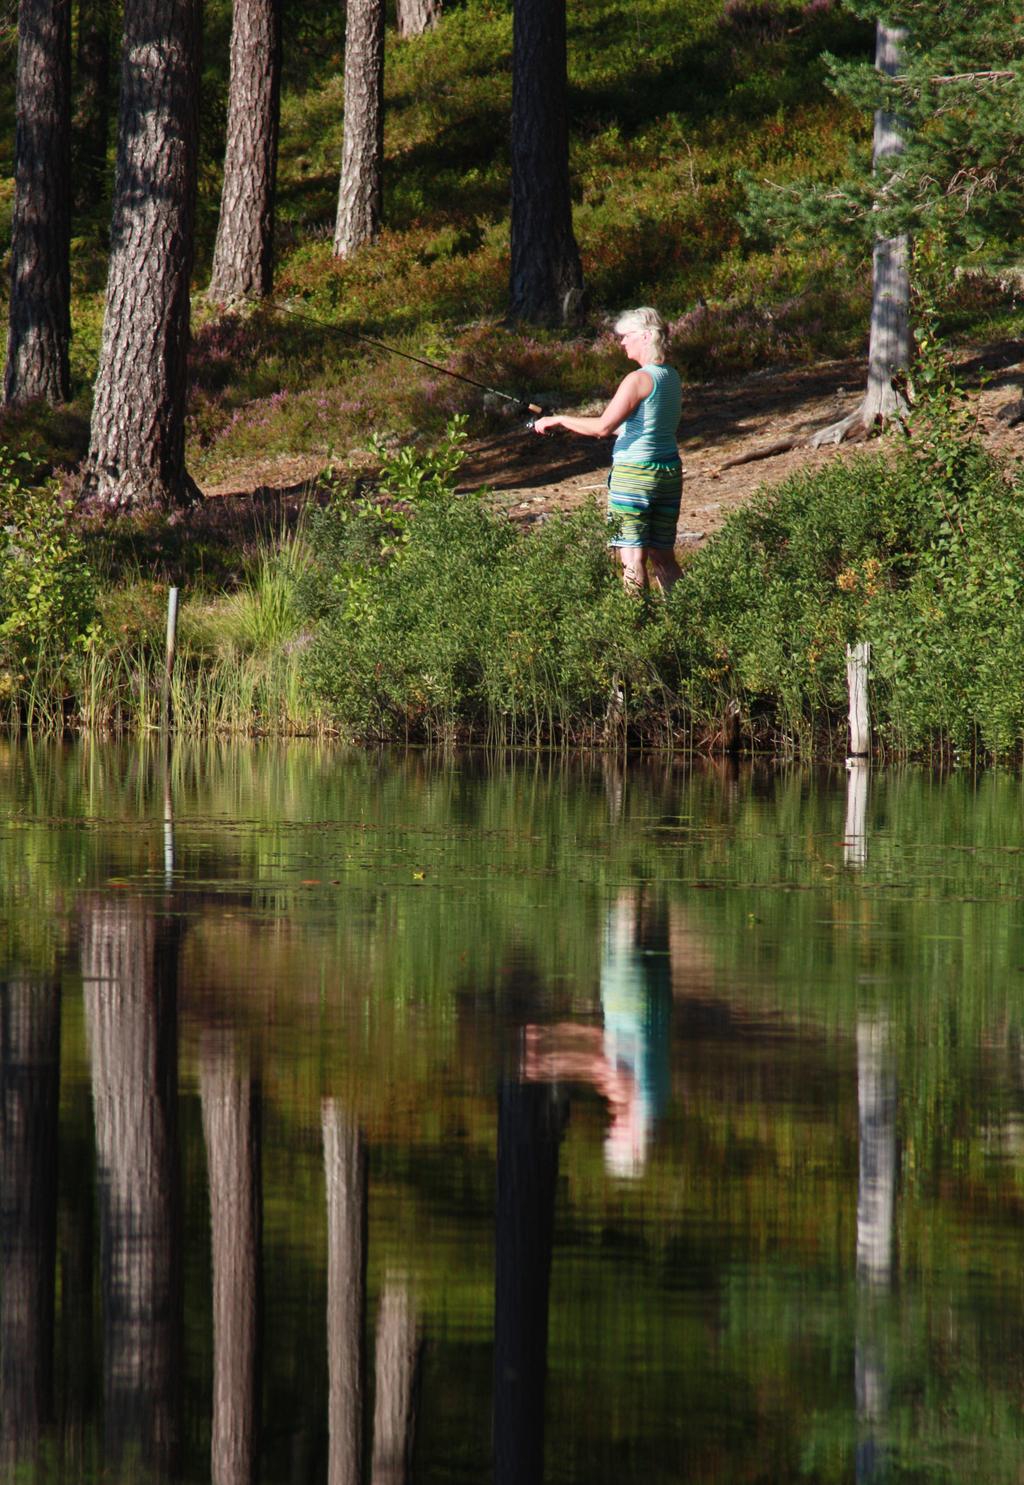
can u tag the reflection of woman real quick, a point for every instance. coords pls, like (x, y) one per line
(646, 480)
(627, 1061)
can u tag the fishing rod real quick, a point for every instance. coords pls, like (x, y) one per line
(295, 314)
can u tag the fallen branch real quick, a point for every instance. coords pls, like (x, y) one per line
(769, 451)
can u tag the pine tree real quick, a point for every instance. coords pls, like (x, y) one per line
(416, 17)
(546, 279)
(137, 443)
(243, 257)
(362, 156)
(40, 306)
(954, 101)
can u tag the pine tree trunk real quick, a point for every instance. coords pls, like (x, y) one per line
(889, 343)
(416, 17)
(394, 1409)
(362, 152)
(231, 1127)
(243, 257)
(129, 969)
(40, 307)
(345, 1174)
(137, 446)
(92, 109)
(546, 281)
(29, 1097)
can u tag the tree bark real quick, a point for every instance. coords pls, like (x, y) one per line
(243, 256)
(416, 17)
(345, 1175)
(40, 308)
(362, 152)
(529, 1129)
(394, 1410)
(231, 1127)
(889, 342)
(546, 279)
(92, 108)
(29, 1099)
(137, 444)
(129, 970)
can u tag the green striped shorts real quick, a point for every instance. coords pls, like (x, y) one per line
(643, 501)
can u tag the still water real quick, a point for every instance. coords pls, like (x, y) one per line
(404, 1117)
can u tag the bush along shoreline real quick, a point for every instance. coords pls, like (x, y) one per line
(418, 615)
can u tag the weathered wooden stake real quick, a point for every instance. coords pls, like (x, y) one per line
(858, 658)
(172, 640)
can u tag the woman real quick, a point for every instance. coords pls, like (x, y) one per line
(646, 480)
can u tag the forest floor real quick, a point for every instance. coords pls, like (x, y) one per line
(727, 426)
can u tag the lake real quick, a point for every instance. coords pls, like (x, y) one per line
(450, 1118)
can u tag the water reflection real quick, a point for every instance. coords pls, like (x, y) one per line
(626, 1059)
(232, 1130)
(876, 1197)
(255, 1008)
(129, 977)
(29, 1092)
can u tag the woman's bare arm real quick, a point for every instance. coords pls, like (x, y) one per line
(630, 393)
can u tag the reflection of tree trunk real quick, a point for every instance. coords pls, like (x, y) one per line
(231, 1125)
(76, 1249)
(129, 968)
(345, 1173)
(394, 1411)
(529, 1126)
(876, 1188)
(29, 1089)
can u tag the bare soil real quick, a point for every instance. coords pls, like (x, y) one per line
(533, 475)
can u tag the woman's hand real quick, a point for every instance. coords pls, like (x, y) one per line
(543, 425)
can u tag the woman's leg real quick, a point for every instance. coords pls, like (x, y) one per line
(634, 577)
(662, 565)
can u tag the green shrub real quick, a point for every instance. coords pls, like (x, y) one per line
(47, 597)
(455, 622)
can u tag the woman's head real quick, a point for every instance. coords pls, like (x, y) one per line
(646, 322)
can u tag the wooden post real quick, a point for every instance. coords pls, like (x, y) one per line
(172, 640)
(857, 660)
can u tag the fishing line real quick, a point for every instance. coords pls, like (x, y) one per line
(405, 355)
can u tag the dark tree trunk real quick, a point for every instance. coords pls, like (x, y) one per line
(92, 107)
(29, 1099)
(231, 1126)
(129, 970)
(546, 282)
(362, 152)
(394, 1408)
(345, 1175)
(137, 446)
(40, 309)
(243, 258)
(416, 17)
(529, 1129)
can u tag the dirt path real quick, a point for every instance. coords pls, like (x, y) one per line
(531, 476)
(722, 421)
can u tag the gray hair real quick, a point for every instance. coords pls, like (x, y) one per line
(645, 319)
